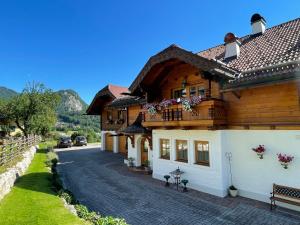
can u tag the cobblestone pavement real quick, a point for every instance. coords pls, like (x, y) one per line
(101, 181)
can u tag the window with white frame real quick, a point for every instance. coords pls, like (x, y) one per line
(202, 153)
(182, 150)
(165, 149)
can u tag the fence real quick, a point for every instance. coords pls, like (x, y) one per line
(12, 149)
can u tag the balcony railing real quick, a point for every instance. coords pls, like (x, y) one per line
(207, 113)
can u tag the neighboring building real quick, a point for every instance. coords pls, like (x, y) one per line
(111, 103)
(204, 108)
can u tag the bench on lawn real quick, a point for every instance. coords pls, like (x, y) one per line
(285, 194)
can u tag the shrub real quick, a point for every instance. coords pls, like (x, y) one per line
(67, 197)
(110, 221)
(52, 159)
(82, 211)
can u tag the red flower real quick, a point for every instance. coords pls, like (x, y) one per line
(259, 149)
(285, 158)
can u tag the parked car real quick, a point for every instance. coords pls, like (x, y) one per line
(64, 142)
(80, 141)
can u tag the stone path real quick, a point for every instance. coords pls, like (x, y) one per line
(102, 182)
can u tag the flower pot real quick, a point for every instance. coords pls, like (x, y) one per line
(285, 165)
(260, 155)
(233, 193)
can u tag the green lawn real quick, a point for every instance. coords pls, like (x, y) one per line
(33, 202)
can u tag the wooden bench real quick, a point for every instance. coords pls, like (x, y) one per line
(284, 194)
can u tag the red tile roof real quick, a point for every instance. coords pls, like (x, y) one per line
(117, 90)
(279, 44)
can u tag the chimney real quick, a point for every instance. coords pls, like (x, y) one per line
(258, 24)
(232, 46)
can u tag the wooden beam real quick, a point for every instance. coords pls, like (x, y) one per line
(236, 94)
(131, 137)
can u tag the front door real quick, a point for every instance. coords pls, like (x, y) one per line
(144, 151)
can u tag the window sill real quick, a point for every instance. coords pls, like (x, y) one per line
(164, 158)
(183, 161)
(202, 164)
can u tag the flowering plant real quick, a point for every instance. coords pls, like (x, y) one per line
(260, 150)
(195, 100)
(285, 159)
(186, 105)
(167, 102)
(151, 108)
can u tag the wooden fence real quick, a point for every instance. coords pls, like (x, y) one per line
(12, 149)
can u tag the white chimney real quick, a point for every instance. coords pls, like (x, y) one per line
(232, 46)
(258, 24)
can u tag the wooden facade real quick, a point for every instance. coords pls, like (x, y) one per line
(269, 106)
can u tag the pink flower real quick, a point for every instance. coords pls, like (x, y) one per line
(259, 149)
(285, 158)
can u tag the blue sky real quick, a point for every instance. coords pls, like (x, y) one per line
(83, 45)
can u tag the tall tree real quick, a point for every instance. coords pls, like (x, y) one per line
(33, 111)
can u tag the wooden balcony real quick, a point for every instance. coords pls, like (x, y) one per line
(114, 125)
(209, 114)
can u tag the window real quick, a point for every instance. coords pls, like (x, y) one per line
(178, 93)
(165, 149)
(197, 91)
(182, 150)
(202, 152)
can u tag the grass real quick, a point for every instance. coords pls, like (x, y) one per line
(32, 200)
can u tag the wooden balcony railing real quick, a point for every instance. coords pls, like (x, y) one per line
(114, 125)
(207, 113)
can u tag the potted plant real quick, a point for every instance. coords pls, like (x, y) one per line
(131, 162)
(233, 191)
(285, 160)
(260, 151)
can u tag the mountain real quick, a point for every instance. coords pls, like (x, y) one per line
(70, 112)
(71, 102)
(6, 93)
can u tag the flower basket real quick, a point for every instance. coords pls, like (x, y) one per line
(285, 160)
(260, 151)
(151, 108)
(166, 103)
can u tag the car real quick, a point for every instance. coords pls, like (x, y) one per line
(64, 142)
(80, 141)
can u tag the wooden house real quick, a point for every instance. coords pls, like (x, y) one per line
(205, 112)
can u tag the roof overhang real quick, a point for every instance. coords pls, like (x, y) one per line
(99, 101)
(284, 72)
(176, 53)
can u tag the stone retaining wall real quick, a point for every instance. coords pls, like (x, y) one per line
(8, 178)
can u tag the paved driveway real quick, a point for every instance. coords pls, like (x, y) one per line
(102, 182)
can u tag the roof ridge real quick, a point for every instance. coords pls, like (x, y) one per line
(298, 18)
(114, 85)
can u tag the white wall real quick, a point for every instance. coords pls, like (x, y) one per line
(207, 179)
(136, 151)
(133, 151)
(254, 177)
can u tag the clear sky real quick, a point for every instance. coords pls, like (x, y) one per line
(85, 44)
